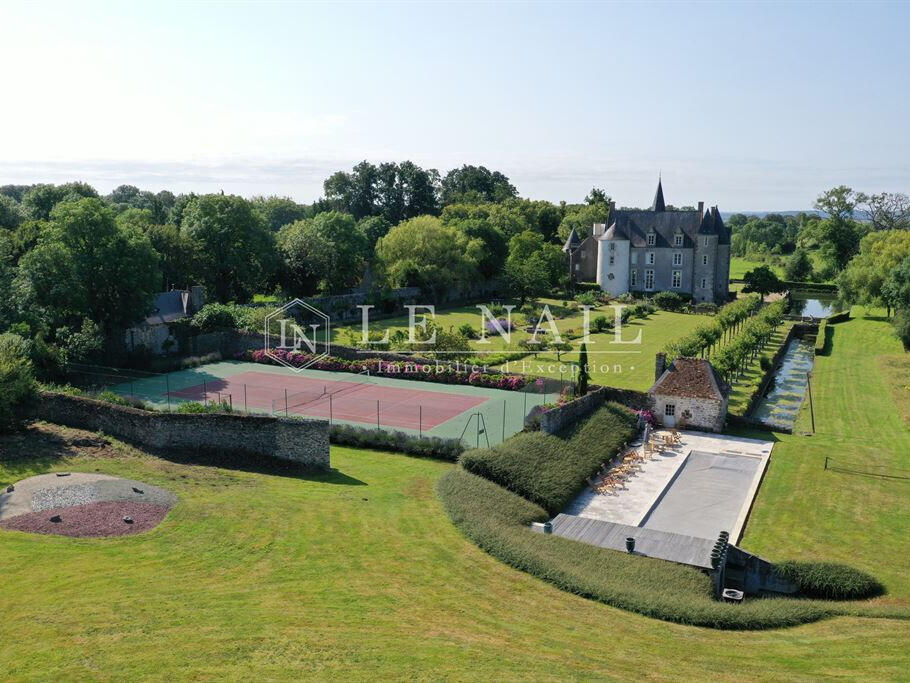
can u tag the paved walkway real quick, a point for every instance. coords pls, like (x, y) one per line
(643, 491)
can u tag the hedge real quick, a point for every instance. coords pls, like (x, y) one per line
(830, 581)
(401, 442)
(820, 337)
(550, 470)
(496, 520)
(841, 317)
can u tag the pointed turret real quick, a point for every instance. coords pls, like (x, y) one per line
(708, 224)
(659, 204)
(572, 242)
(722, 232)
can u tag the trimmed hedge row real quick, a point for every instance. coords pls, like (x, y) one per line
(496, 520)
(841, 317)
(401, 442)
(830, 581)
(820, 337)
(550, 469)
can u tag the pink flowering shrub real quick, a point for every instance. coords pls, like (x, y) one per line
(443, 374)
(647, 416)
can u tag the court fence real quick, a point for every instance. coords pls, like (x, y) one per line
(477, 425)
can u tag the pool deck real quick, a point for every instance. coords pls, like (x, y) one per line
(633, 505)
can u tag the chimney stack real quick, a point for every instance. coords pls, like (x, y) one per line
(660, 364)
(701, 211)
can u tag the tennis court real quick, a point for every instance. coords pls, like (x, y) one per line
(478, 415)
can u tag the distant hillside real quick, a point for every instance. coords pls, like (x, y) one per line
(761, 214)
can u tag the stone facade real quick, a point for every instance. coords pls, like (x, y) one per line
(691, 413)
(298, 440)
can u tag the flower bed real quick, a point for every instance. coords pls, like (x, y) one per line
(427, 372)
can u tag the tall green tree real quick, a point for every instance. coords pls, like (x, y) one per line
(880, 254)
(798, 267)
(475, 184)
(11, 215)
(326, 253)
(86, 266)
(584, 376)
(763, 281)
(236, 250)
(280, 211)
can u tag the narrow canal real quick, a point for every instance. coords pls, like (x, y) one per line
(785, 395)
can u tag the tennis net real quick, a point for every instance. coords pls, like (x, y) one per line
(300, 399)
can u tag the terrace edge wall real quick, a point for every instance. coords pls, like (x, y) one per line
(303, 441)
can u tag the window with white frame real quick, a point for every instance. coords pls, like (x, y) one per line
(677, 258)
(677, 279)
(633, 278)
(649, 279)
(670, 409)
(678, 240)
(704, 259)
(649, 258)
(652, 239)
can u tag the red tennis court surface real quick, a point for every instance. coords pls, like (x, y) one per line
(357, 402)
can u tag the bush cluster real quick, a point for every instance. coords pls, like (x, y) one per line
(670, 301)
(211, 408)
(830, 581)
(425, 447)
(548, 469)
(729, 318)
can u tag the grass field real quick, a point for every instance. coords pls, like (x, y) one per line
(357, 574)
(740, 266)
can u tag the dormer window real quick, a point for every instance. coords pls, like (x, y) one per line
(652, 239)
(678, 240)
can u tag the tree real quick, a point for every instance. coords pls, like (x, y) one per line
(763, 281)
(405, 190)
(475, 184)
(584, 375)
(326, 253)
(6, 281)
(533, 266)
(280, 211)
(17, 382)
(838, 202)
(236, 250)
(880, 254)
(178, 260)
(486, 246)
(582, 219)
(40, 200)
(597, 196)
(422, 252)
(799, 267)
(373, 228)
(896, 290)
(886, 211)
(86, 266)
(10, 213)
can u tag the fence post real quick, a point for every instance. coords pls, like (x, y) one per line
(245, 407)
(420, 420)
(167, 384)
(826, 462)
(330, 409)
(205, 394)
(285, 402)
(503, 419)
(377, 414)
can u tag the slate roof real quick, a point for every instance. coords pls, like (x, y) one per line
(572, 241)
(168, 307)
(692, 378)
(635, 226)
(658, 203)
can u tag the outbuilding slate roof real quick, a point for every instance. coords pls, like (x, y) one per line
(572, 242)
(168, 307)
(691, 378)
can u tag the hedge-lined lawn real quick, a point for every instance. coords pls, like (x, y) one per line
(626, 366)
(804, 512)
(357, 574)
(751, 379)
(740, 266)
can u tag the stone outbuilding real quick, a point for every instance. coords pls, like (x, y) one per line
(689, 394)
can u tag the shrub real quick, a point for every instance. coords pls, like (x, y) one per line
(468, 331)
(830, 581)
(18, 389)
(600, 323)
(196, 408)
(426, 447)
(901, 323)
(706, 308)
(550, 470)
(213, 317)
(587, 299)
(669, 301)
(118, 400)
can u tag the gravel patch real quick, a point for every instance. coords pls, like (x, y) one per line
(98, 492)
(91, 519)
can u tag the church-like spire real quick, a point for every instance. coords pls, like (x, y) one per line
(658, 204)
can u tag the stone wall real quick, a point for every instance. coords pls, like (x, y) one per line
(298, 440)
(706, 413)
(560, 417)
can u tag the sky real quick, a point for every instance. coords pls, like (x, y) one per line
(750, 106)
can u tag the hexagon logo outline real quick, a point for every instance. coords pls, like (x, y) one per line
(298, 336)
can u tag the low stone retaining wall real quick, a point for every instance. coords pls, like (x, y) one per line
(297, 440)
(560, 417)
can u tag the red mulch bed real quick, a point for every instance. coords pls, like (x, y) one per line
(90, 520)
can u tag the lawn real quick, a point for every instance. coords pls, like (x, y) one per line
(625, 365)
(750, 380)
(355, 574)
(859, 518)
(740, 266)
